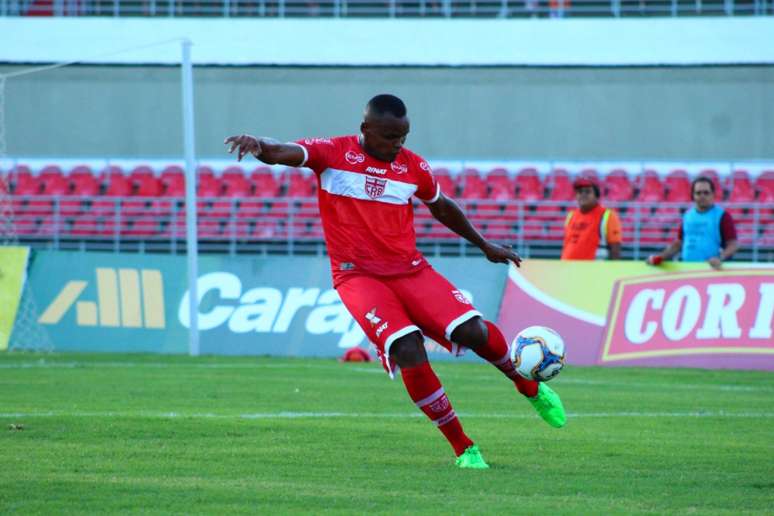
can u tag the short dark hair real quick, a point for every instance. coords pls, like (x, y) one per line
(386, 103)
(703, 179)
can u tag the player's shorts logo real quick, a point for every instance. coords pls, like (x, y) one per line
(372, 317)
(398, 168)
(374, 186)
(353, 158)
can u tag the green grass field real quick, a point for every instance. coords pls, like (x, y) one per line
(84, 433)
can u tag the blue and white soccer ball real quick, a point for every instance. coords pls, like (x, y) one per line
(538, 353)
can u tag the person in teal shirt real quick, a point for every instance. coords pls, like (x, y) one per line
(707, 232)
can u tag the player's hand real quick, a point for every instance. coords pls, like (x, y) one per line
(501, 254)
(244, 144)
(654, 259)
(715, 263)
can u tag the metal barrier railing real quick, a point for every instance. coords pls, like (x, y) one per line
(293, 226)
(385, 8)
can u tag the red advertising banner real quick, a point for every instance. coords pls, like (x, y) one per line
(632, 314)
(691, 313)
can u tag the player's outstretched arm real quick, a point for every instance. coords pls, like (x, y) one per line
(267, 150)
(448, 212)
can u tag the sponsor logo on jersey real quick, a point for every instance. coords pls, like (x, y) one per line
(424, 166)
(374, 187)
(126, 298)
(312, 141)
(381, 328)
(398, 168)
(353, 158)
(459, 296)
(414, 263)
(374, 170)
(372, 317)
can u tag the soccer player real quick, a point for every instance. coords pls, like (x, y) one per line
(591, 226)
(366, 183)
(707, 232)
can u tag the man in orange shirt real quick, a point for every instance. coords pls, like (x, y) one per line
(592, 227)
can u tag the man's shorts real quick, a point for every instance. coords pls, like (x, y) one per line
(389, 308)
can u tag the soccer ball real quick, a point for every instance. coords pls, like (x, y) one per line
(538, 353)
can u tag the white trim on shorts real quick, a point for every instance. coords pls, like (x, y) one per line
(470, 314)
(392, 338)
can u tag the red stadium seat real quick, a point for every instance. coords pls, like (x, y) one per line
(678, 186)
(445, 181)
(140, 172)
(84, 225)
(617, 186)
(471, 184)
(560, 186)
(501, 186)
(649, 186)
(297, 184)
(740, 187)
(528, 184)
(264, 182)
(764, 185)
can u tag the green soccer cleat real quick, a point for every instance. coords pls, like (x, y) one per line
(549, 406)
(471, 458)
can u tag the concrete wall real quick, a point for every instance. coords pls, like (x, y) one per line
(713, 113)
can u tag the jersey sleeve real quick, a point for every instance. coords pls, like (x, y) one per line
(428, 189)
(727, 228)
(614, 233)
(317, 152)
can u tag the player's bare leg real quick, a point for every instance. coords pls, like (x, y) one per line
(426, 391)
(488, 342)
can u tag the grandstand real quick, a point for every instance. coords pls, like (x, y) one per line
(256, 209)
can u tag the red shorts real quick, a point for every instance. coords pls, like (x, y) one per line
(389, 308)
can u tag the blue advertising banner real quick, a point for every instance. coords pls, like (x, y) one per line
(281, 306)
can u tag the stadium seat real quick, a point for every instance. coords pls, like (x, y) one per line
(528, 184)
(559, 185)
(297, 184)
(471, 185)
(617, 186)
(142, 226)
(84, 225)
(764, 185)
(678, 186)
(649, 187)
(445, 181)
(500, 186)
(264, 182)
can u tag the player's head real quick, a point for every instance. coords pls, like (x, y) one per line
(703, 192)
(586, 191)
(385, 127)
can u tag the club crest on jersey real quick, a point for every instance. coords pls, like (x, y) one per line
(353, 158)
(374, 186)
(398, 168)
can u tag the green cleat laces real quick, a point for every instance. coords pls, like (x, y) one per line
(549, 406)
(471, 458)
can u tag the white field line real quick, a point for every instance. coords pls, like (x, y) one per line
(386, 415)
(376, 369)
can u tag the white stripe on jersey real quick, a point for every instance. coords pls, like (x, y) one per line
(353, 184)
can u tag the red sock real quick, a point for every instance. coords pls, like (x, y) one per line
(427, 393)
(497, 353)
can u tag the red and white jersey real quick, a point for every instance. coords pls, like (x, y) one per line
(366, 209)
